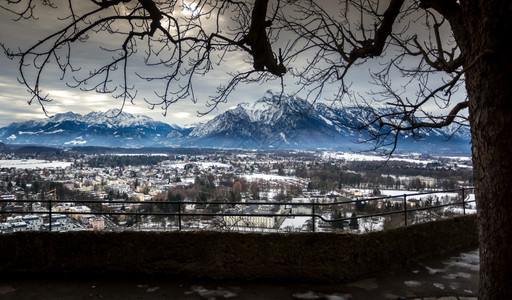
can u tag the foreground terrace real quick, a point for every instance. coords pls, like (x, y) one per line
(215, 264)
(212, 264)
(449, 277)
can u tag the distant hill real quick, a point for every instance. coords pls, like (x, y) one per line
(271, 122)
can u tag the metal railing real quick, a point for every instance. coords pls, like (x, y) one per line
(401, 205)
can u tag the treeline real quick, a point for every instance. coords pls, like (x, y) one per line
(209, 191)
(36, 152)
(112, 161)
(326, 176)
(434, 170)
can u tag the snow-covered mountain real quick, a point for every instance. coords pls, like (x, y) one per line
(272, 122)
(110, 129)
(287, 123)
(275, 122)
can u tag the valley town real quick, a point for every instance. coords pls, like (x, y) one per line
(76, 189)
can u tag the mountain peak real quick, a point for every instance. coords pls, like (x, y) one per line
(287, 121)
(63, 117)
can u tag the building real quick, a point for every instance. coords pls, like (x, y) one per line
(56, 226)
(260, 217)
(250, 221)
(78, 211)
(9, 197)
(306, 208)
(33, 222)
(5, 227)
(97, 223)
(65, 222)
(19, 226)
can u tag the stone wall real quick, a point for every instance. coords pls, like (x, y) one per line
(222, 255)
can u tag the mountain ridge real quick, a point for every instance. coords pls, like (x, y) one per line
(272, 122)
(293, 123)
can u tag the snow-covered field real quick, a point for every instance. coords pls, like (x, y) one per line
(294, 224)
(200, 165)
(348, 156)
(33, 164)
(269, 177)
(140, 154)
(397, 193)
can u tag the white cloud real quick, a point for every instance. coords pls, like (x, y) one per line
(181, 115)
(63, 94)
(96, 99)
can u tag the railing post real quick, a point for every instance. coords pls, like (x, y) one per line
(463, 203)
(179, 216)
(405, 209)
(313, 210)
(50, 213)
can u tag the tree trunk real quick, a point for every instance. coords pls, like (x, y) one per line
(489, 87)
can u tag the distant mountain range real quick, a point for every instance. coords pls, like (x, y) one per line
(108, 129)
(272, 122)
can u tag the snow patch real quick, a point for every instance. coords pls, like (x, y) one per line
(55, 131)
(269, 177)
(77, 141)
(211, 294)
(412, 283)
(296, 223)
(33, 164)
(470, 261)
(327, 121)
(284, 137)
(28, 132)
(200, 165)
(312, 295)
(367, 157)
(439, 285)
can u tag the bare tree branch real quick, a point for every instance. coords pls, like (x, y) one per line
(180, 42)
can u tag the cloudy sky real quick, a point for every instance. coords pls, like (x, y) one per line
(14, 96)
(25, 33)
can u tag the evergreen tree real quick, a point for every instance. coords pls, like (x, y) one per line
(360, 205)
(354, 223)
(337, 224)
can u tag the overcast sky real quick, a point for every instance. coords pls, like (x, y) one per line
(14, 96)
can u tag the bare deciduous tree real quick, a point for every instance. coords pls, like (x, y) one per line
(420, 54)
